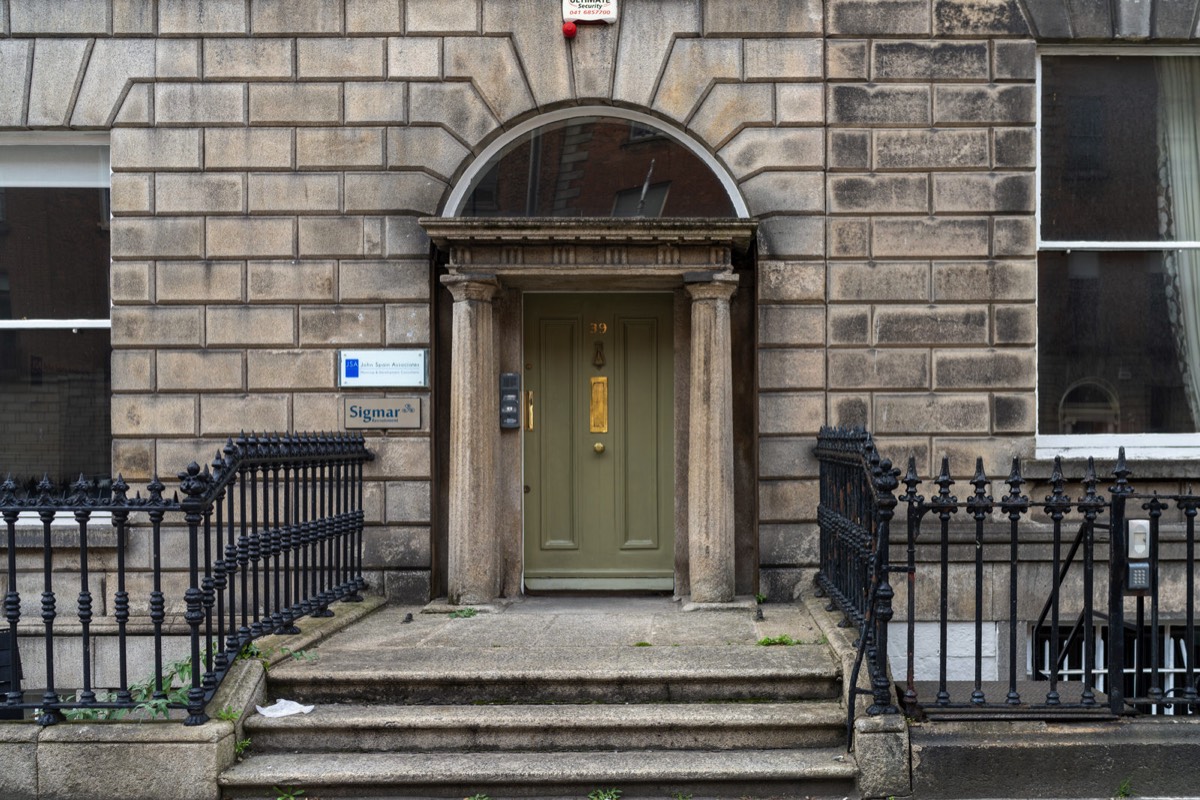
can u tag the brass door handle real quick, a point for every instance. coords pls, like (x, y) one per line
(529, 411)
(598, 447)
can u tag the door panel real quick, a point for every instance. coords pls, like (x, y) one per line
(560, 338)
(638, 490)
(599, 464)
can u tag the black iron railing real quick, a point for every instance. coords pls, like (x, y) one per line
(1015, 509)
(273, 533)
(1100, 642)
(857, 502)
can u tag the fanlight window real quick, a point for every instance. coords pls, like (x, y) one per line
(597, 167)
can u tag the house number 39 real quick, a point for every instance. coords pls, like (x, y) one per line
(599, 327)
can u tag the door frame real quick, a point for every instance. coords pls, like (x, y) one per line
(490, 263)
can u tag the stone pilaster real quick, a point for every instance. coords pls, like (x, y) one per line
(474, 555)
(710, 443)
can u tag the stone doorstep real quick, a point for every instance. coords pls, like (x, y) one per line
(152, 760)
(658, 726)
(828, 769)
(443, 606)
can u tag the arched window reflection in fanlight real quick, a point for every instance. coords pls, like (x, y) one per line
(597, 167)
(1089, 407)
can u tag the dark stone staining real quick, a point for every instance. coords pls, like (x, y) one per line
(850, 149)
(895, 193)
(946, 149)
(1015, 148)
(985, 370)
(875, 18)
(848, 328)
(1015, 61)
(978, 18)
(851, 411)
(888, 104)
(962, 61)
(1004, 105)
(932, 326)
(849, 239)
(1014, 324)
(921, 60)
(1014, 194)
(1013, 413)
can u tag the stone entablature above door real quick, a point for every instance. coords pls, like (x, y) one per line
(570, 253)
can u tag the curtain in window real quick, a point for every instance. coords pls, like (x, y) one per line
(1179, 175)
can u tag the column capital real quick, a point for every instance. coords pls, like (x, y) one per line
(721, 287)
(464, 287)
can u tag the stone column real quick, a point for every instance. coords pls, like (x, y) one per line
(474, 548)
(710, 443)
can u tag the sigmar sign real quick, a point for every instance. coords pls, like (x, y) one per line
(390, 412)
(590, 11)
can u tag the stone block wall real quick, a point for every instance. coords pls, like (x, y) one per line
(271, 157)
(914, 315)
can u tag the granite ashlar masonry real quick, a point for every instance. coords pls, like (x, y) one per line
(925, 196)
(270, 161)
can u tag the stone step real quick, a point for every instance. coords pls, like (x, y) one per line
(391, 728)
(465, 675)
(804, 773)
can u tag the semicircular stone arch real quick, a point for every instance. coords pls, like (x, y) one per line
(631, 131)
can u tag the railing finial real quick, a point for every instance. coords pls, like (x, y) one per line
(8, 491)
(1122, 474)
(44, 488)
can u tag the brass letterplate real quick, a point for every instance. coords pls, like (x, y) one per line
(599, 408)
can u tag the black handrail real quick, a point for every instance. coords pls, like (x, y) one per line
(857, 503)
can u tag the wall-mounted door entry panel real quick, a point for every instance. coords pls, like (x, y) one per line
(599, 458)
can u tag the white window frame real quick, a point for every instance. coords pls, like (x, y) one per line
(77, 168)
(1172, 446)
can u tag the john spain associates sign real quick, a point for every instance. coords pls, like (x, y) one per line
(383, 368)
(591, 10)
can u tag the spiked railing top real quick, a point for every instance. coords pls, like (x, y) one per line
(198, 483)
(944, 502)
(1014, 503)
(1122, 473)
(1057, 502)
(980, 503)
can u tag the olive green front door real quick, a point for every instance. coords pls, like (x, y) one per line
(599, 463)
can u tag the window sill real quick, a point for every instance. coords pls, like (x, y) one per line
(1140, 447)
(64, 532)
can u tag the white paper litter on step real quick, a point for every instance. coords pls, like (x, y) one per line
(284, 708)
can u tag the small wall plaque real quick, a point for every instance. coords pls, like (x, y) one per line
(590, 11)
(390, 412)
(383, 368)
